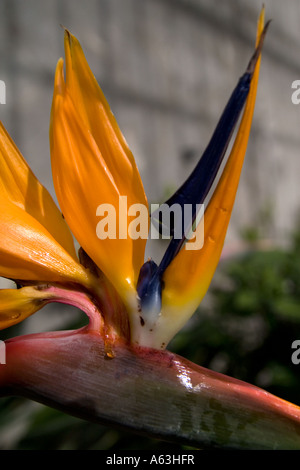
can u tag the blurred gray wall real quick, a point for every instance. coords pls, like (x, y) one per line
(167, 68)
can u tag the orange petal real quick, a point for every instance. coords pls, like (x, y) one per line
(189, 275)
(18, 304)
(19, 185)
(84, 178)
(29, 252)
(97, 116)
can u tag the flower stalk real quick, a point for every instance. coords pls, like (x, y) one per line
(156, 393)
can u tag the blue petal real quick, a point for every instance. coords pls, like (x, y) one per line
(196, 188)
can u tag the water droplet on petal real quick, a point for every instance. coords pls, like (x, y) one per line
(15, 316)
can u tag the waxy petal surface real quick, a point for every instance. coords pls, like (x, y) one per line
(19, 185)
(95, 111)
(85, 177)
(28, 252)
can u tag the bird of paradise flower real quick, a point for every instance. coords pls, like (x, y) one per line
(134, 306)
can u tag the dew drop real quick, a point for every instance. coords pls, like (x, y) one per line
(15, 316)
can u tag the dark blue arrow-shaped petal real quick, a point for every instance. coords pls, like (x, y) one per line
(195, 189)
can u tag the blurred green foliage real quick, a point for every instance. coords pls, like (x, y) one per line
(244, 328)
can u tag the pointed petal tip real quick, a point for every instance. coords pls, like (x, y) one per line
(67, 35)
(70, 41)
(59, 81)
